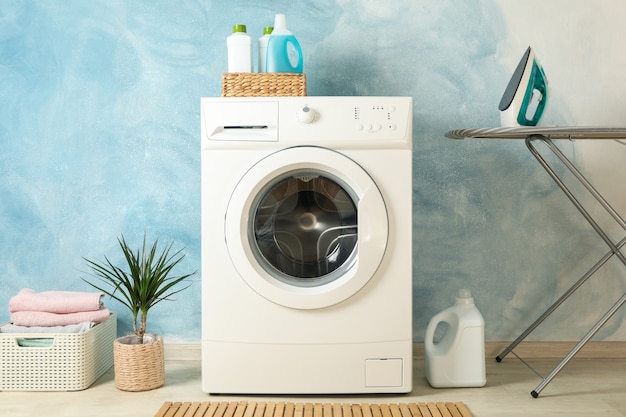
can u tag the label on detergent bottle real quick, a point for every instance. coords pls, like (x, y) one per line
(284, 53)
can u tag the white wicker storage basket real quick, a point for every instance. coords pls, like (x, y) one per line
(71, 362)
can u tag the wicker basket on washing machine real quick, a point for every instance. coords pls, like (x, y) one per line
(265, 84)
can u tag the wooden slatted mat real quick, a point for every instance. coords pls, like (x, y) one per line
(289, 409)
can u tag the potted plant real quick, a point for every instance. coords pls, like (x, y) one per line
(146, 281)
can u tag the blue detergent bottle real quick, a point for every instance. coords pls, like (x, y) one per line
(284, 53)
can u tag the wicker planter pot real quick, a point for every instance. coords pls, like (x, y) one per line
(139, 367)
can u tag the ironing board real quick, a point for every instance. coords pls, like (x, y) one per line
(545, 135)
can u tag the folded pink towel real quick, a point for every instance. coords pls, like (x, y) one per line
(42, 318)
(55, 301)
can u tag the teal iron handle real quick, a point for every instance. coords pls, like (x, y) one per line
(535, 98)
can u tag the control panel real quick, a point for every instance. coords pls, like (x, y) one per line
(309, 120)
(346, 118)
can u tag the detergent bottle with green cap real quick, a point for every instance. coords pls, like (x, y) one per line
(284, 53)
(239, 45)
(263, 40)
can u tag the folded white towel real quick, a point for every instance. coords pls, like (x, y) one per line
(71, 328)
(55, 301)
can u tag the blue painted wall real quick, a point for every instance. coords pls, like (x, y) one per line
(100, 130)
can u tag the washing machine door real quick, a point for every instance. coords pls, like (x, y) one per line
(306, 227)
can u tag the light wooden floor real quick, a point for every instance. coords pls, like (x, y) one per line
(585, 387)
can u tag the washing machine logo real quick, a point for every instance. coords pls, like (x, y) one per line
(304, 228)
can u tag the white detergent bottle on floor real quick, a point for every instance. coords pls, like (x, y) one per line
(284, 53)
(458, 358)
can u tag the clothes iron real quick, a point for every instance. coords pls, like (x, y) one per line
(526, 95)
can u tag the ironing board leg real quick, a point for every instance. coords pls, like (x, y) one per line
(558, 302)
(570, 195)
(615, 250)
(579, 345)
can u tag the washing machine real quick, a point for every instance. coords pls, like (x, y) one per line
(306, 245)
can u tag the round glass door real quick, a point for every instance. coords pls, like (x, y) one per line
(306, 227)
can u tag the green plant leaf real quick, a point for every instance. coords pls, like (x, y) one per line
(147, 281)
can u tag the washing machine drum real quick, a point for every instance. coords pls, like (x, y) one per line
(306, 228)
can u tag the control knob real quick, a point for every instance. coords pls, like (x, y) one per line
(306, 115)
